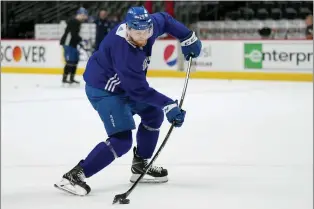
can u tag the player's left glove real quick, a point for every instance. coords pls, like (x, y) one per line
(191, 46)
(174, 114)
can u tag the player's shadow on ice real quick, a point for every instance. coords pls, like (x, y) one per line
(121, 188)
(189, 186)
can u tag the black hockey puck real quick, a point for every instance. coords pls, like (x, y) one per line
(124, 201)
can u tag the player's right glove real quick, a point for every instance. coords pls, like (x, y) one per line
(174, 114)
(191, 46)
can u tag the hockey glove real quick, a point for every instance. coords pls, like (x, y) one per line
(191, 46)
(174, 114)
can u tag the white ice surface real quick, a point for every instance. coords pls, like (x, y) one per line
(244, 145)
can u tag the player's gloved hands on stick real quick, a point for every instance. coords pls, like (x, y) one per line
(191, 46)
(174, 113)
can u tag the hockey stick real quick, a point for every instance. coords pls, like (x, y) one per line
(122, 198)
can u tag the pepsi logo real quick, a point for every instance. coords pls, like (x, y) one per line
(170, 56)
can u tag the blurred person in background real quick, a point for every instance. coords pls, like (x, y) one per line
(70, 41)
(309, 27)
(102, 27)
(12, 29)
(114, 21)
(266, 33)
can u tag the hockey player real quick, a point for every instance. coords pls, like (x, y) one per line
(117, 88)
(70, 41)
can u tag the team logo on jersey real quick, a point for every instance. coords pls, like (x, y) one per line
(145, 63)
(170, 56)
(120, 29)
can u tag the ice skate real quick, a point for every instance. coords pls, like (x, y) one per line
(65, 79)
(154, 174)
(73, 182)
(72, 81)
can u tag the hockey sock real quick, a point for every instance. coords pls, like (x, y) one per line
(73, 72)
(146, 138)
(66, 71)
(105, 152)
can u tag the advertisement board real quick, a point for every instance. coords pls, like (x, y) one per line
(225, 59)
(164, 55)
(19, 53)
(285, 56)
(43, 54)
(219, 56)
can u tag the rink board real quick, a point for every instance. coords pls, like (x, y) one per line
(176, 74)
(219, 59)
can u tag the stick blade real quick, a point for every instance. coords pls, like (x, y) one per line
(121, 198)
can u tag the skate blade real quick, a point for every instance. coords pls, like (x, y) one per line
(65, 85)
(66, 186)
(70, 85)
(149, 179)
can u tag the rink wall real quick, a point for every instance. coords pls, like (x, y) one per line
(289, 60)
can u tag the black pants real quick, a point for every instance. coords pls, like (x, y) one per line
(69, 68)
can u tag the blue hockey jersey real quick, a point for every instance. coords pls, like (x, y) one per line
(120, 67)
